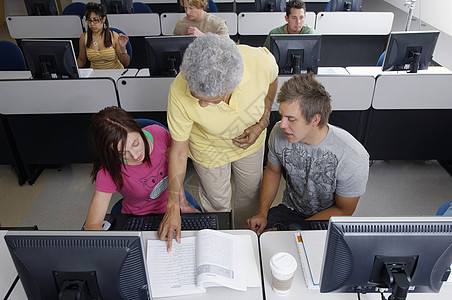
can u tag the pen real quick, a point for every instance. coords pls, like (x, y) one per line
(124, 72)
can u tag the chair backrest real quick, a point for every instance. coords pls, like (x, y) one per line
(128, 46)
(211, 6)
(381, 59)
(141, 8)
(11, 57)
(147, 122)
(75, 8)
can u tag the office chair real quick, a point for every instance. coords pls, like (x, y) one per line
(128, 45)
(381, 59)
(116, 209)
(141, 8)
(211, 6)
(75, 8)
(11, 57)
(445, 209)
(327, 8)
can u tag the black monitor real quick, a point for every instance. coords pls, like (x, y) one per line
(410, 50)
(50, 58)
(92, 264)
(165, 54)
(296, 53)
(270, 5)
(118, 6)
(41, 7)
(391, 254)
(346, 5)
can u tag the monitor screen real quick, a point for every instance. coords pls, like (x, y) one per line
(392, 254)
(50, 58)
(94, 264)
(165, 54)
(118, 6)
(410, 50)
(346, 5)
(41, 7)
(270, 5)
(296, 53)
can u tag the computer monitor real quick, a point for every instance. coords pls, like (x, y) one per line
(92, 264)
(393, 254)
(346, 5)
(270, 5)
(41, 7)
(50, 58)
(296, 53)
(165, 54)
(410, 50)
(118, 6)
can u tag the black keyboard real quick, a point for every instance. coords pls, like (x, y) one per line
(195, 221)
(314, 225)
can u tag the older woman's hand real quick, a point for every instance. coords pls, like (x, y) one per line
(249, 136)
(170, 223)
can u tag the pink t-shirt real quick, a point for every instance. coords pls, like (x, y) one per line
(145, 187)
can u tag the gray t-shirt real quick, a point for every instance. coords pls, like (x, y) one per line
(339, 164)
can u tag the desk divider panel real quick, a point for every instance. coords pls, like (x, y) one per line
(260, 23)
(410, 117)
(339, 22)
(54, 27)
(49, 119)
(168, 21)
(136, 24)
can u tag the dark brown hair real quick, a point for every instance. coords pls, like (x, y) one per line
(297, 4)
(108, 128)
(101, 11)
(310, 94)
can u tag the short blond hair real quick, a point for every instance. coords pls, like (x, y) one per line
(201, 4)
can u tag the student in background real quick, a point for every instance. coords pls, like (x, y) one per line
(198, 22)
(104, 48)
(132, 161)
(295, 18)
(326, 167)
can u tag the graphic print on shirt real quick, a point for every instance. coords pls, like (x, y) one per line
(157, 182)
(311, 180)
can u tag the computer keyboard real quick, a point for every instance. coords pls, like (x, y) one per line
(195, 221)
(314, 225)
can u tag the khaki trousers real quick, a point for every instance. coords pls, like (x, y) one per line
(215, 187)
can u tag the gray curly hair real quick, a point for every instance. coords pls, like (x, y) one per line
(212, 66)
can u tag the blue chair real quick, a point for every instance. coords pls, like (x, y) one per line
(211, 6)
(75, 8)
(443, 208)
(141, 8)
(381, 59)
(116, 209)
(128, 45)
(11, 57)
(327, 8)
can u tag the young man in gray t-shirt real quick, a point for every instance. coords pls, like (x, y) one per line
(326, 168)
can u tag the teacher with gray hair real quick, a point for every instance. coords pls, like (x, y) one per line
(218, 112)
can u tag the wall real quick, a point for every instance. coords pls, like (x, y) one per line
(433, 12)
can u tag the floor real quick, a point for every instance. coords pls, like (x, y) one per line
(59, 199)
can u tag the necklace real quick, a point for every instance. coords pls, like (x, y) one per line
(95, 43)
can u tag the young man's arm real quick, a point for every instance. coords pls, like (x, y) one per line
(343, 207)
(269, 189)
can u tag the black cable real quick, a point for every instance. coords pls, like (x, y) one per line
(359, 295)
(382, 296)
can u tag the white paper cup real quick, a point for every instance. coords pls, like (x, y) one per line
(283, 266)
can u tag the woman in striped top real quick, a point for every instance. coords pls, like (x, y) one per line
(105, 49)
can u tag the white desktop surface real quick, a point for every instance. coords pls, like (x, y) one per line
(15, 74)
(375, 71)
(220, 293)
(114, 73)
(272, 242)
(8, 272)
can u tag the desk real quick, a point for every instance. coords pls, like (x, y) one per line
(375, 71)
(15, 75)
(221, 293)
(272, 242)
(8, 273)
(49, 119)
